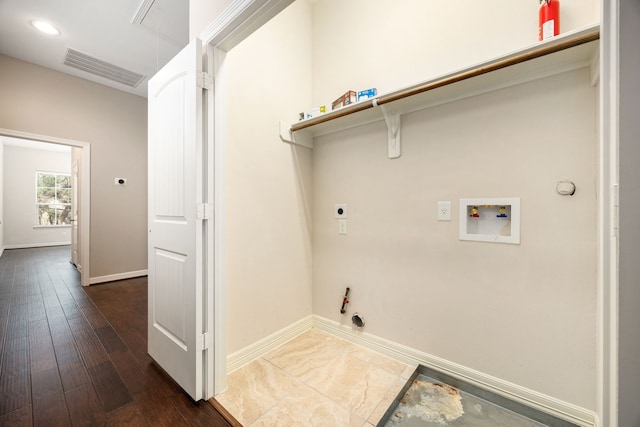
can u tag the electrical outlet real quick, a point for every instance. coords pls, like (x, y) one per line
(444, 211)
(340, 210)
(342, 226)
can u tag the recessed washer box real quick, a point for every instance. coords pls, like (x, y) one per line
(495, 220)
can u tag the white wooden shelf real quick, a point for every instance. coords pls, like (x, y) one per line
(569, 51)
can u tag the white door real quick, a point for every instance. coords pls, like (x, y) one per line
(176, 327)
(74, 215)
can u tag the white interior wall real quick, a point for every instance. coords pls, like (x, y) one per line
(539, 303)
(268, 205)
(526, 311)
(20, 166)
(45, 102)
(387, 44)
(523, 313)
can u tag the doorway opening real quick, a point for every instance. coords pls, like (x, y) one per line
(80, 210)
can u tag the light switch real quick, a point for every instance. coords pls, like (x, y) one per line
(342, 226)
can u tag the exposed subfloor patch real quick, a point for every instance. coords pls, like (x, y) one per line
(433, 399)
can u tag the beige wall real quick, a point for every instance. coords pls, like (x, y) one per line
(41, 101)
(20, 166)
(269, 223)
(387, 44)
(523, 313)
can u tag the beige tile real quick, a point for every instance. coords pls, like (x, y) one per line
(352, 383)
(409, 370)
(308, 408)
(255, 388)
(377, 359)
(304, 355)
(386, 401)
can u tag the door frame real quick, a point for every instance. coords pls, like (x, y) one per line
(74, 212)
(607, 399)
(237, 22)
(243, 17)
(85, 194)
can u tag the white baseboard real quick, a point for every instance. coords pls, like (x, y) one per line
(260, 348)
(36, 245)
(1, 251)
(539, 401)
(118, 276)
(558, 408)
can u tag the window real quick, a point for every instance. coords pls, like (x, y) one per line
(53, 199)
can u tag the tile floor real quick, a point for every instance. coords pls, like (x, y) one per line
(315, 379)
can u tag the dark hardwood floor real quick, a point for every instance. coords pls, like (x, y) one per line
(78, 356)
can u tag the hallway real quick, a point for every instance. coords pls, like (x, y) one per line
(78, 356)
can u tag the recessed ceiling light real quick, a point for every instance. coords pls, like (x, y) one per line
(45, 27)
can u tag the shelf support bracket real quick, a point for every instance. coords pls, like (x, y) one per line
(393, 119)
(301, 137)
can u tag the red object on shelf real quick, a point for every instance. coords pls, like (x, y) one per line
(549, 19)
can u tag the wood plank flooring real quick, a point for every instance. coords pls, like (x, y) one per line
(78, 356)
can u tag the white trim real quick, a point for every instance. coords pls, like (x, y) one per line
(85, 205)
(215, 301)
(539, 401)
(260, 348)
(1, 251)
(36, 245)
(118, 276)
(607, 286)
(235, 23)
(239, 20)
(547, 404)
(218, 140)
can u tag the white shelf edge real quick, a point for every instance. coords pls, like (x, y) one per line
(369, 111)
(302, 138)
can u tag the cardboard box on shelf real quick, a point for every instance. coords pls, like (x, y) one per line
(348, 98)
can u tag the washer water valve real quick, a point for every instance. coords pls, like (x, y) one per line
(345, 301)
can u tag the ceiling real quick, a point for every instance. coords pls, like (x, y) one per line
(117, 36)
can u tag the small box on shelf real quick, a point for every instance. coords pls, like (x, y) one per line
(367, 93)
(348, 98)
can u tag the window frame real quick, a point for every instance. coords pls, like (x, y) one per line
(38, 204)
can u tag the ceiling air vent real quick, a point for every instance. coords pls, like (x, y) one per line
(84, 62)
